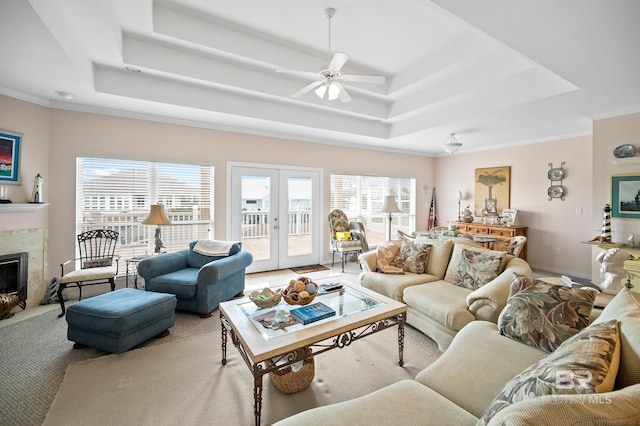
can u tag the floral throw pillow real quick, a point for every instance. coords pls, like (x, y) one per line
(412, 257)
(587, 363)
(476, 269)
(544, 315)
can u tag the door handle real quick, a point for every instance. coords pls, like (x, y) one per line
(275, 227)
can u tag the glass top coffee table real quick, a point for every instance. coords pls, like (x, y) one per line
(359, 313)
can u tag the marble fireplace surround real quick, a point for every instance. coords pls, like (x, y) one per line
(34, 242)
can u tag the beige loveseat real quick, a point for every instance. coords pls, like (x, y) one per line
(458, 387)
(435, 305)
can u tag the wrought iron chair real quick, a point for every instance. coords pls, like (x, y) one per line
(96, 259)
(340, 242)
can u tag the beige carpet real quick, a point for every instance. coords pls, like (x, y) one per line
(183, 382)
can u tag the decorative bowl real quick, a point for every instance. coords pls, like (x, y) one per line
(266, 298)
(300, 291)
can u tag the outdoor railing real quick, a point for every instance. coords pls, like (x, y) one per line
(257, 224)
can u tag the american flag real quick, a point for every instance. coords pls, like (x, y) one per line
(433, 219)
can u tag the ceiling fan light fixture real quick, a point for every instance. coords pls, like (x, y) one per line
(451, 144)
(321, 90)
(334, 92)
(328, 80)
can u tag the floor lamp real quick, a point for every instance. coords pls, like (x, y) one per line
(390, 206)
(459, 198)
(157, 217)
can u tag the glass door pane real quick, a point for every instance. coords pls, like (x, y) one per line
(256, 216)
(299, 216)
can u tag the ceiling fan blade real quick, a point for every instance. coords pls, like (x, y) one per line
(343, 95)
(337, 61)
(356, 78)
(305, 74)
(307, 88)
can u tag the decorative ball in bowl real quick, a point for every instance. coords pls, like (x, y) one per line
(300, 291)
(266, 298)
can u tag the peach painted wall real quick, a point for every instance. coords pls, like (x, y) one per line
(32, 121)
(53, 138)
(27, 231)
(607, 135)
(76, 133)
(554, 226)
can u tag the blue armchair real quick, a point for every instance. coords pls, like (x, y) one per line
(200, 282)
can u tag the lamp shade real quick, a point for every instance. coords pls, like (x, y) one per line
(390, 205)
(157, 216)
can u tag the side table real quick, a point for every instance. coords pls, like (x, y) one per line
(131, 267)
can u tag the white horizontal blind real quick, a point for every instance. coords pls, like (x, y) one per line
(361, 198)
(116, 194)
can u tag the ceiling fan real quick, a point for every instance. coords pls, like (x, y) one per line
(327, 82)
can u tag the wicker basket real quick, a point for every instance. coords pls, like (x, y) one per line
(293, 297)
(289, 381)
(269, 298)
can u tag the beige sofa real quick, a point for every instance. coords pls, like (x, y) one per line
(434, 305)
(462, 383)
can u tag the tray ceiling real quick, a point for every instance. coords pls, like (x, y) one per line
(495, 72)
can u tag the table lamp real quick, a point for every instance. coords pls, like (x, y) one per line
(390, 206)
(157, 217)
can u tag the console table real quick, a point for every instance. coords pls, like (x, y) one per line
(501, 232)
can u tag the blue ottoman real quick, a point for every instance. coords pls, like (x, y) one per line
(120, 320)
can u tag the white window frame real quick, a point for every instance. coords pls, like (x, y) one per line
(365, 202)
(122, 199)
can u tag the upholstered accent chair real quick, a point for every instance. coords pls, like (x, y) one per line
(97, 261)
(342, 240)
(200, 279)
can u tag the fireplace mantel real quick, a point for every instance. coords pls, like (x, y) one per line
(21, 207)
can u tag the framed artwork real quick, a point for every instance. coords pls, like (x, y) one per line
(509, 216)
(492, 190)
(625, 197)
(10, 157)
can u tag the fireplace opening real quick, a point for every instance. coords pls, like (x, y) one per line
(14, 273)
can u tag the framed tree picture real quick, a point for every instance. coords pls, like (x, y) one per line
(492, 190)
(10, 157)
(625, 197)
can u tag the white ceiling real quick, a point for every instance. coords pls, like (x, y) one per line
(496, 72)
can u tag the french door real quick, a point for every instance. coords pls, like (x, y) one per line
(275, 212)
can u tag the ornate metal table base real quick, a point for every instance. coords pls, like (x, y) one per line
(340, 341)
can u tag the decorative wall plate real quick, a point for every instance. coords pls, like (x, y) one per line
(555, 191)
(624, 151)
(556, 174)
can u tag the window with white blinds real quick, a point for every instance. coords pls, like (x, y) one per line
(116, 194)
(361, 198)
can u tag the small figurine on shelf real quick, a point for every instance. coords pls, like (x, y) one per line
(36, 197)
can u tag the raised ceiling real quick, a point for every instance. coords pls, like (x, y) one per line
(496, 72)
